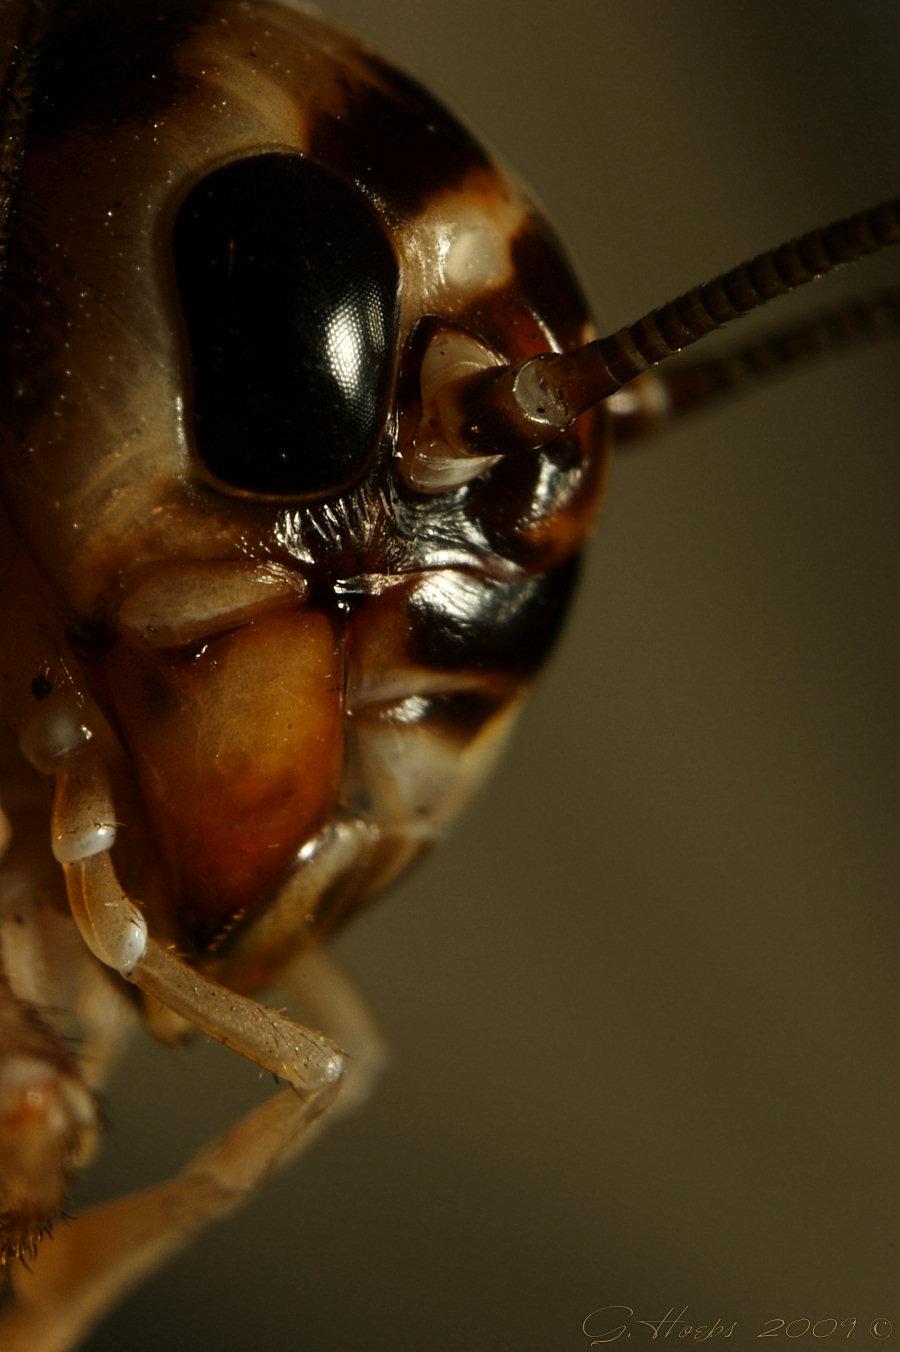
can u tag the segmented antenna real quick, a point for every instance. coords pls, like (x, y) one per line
(695, 384)
(524, 406)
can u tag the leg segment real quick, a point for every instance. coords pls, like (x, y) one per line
(326, 995)
(52, 995)
(90, 1265)
(111, 924)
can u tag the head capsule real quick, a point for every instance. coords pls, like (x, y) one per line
(227, 310)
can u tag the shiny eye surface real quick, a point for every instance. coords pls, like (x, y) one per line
(289, 291)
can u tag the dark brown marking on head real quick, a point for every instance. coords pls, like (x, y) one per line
(543, 273)
(395, 141)
(463, 622)
(101, 61)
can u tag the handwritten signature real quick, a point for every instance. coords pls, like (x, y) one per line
(603, 1326)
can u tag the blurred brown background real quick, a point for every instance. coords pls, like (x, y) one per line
(643, 1007)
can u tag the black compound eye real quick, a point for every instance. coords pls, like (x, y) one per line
(289, 289)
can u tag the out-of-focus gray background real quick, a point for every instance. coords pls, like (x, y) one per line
(643, 1007)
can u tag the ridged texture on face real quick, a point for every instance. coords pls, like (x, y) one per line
(292, 754)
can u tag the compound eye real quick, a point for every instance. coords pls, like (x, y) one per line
(290, 293)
